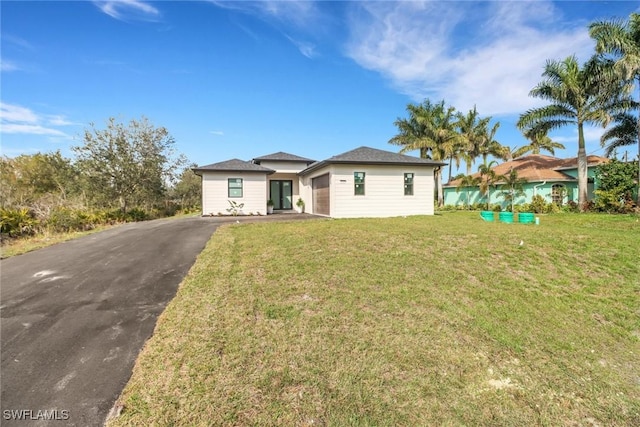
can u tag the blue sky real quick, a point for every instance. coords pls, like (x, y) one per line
(244, 79)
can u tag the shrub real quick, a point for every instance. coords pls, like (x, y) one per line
(613, 201)
(553, 208)
(135, 215)
(538, 204)
(66, 219)
(18, 222)
(571, 206)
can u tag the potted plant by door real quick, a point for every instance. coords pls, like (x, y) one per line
(300, 205)
(269, 206)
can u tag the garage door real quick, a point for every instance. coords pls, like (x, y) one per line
(320, 186)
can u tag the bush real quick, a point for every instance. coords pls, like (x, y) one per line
(538, 204)
(18, 222)
(571, 206)
(613, 201)
(63, 220)
(135, 215)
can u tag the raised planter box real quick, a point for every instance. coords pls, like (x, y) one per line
(487, 215)
(526, 217)
(506, 217)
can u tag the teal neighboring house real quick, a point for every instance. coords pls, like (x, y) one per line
(550, 177)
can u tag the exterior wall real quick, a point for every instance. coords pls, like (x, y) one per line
(591, 172)
(284, 167)
(451, 197)
(215, 195)
(384, 191)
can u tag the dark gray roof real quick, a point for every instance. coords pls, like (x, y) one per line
(233, 165)
(373, 156)
(283, 157)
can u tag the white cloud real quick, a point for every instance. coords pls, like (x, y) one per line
(17, 42)
(217, 132)
(292, 15)
(489, 54)
(124, 10)
(15, 119)
(591, 134)
(16, 113)
(305, 48)
(8, 66)
(30, 129)
(298, 13)
(58, 120)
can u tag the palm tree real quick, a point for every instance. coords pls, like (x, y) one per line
(623, 133)
(488, 179)
(622, 40)
(512, 187)
(577, 95)
(467, 182)
(473, 132)
(537, 143)
(429, 129)
(490, 147)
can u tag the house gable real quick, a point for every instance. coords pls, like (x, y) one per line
(247, 187)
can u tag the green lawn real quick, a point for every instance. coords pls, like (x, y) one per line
(442, 320)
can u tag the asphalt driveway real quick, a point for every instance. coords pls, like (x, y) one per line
(74, 317)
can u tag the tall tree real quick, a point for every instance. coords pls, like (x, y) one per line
(537, 143)
(623, 133)
(188, 190)
(622, 40)
(474, 133)
(430, 129)
(489, 146)
(37, 181)
(578, 96)
(130, 164)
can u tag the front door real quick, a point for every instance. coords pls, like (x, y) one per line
(281, 192)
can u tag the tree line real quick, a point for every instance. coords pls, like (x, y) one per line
(124, 172)
(598, 92)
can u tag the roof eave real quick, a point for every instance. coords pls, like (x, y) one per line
(267, 172)
(324, 163)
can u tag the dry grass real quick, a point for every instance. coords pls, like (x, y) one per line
(441, 320)
(18, 246)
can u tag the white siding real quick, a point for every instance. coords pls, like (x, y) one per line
(215, 193)
(384, 191)
(284, 167)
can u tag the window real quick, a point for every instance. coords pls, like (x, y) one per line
(358, 183)
(557, 194)
(235, 187)
(408, 184)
